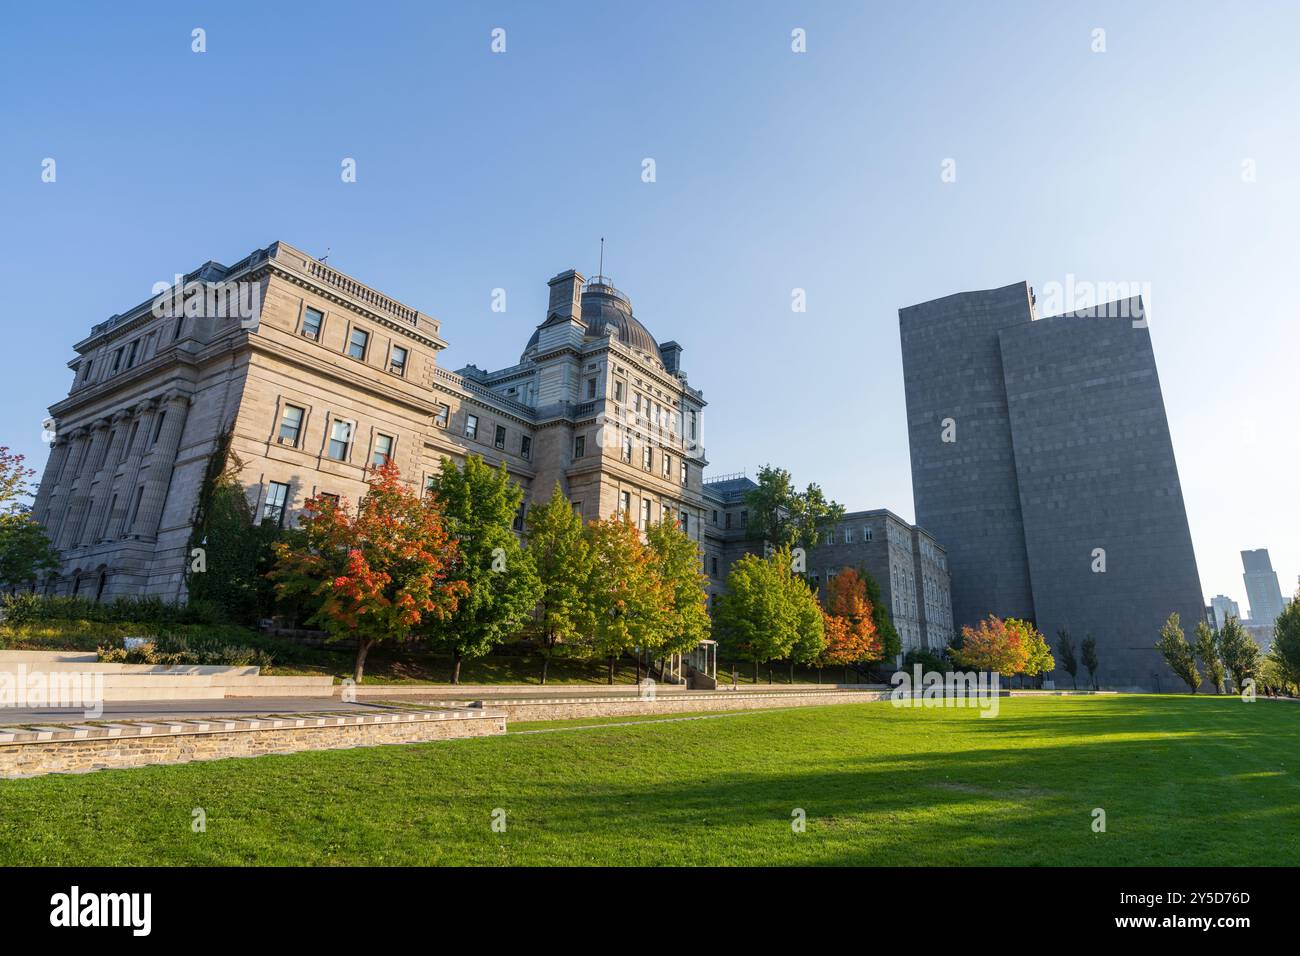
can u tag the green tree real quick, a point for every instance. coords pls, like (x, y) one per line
(1088, 655)
(809, 623)
(1069, 662)
(680, 569)
(1240, 652)
(479, 506)
(1207, 649)
(760, 618)
(786, 517)
(1177, 653)
(1286, 641)
(230, 555)
(25, 548)
(891, 645)
(1038, 657)
(629, 604)
(561, 554)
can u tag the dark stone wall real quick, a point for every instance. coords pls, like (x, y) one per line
(1096, 469)
(965, 491)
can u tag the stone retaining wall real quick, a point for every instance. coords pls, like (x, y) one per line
(77, 748)
(567, 708)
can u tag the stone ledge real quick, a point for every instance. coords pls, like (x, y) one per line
(79, 748)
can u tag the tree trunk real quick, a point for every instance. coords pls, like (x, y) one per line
(455, 666)
(756, 670)
(611, 668)
(638, 667)
(546, 663)
(819, 675)
(769, 672)
(792, 672)
(363, 648)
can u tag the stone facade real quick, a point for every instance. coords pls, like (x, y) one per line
(324, 380)
(78, 748)
(906, 561)
(1041, 456)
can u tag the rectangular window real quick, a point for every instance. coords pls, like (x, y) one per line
(499, 438)
(618, 391)
(135, 509)
(627, 449)
(520, 514)
(715, 566)
(645, 513)
(276, 496)
(117, 359)
(647, 458)
(429, 481)
(180, 327)
(331, 500)
(728, 516)
(668, 465)
(397, 361)
(358, 343)
(624, 502)
(866, 534)
(685, 518)
(103, 455)
(443, 416)
(90, 366)
(130, 442)
(383, 450)
(132, 350)
(579, 446)
(636, 402)
(157, 431)
(685, 472)
(471, 426)
(694, 424)
(525, 446)
(340, 440)
(744, 519)
(848, 535)
(311, 322)
(591, 388)
(291, 425)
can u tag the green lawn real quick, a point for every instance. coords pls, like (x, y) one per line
(1182, 781)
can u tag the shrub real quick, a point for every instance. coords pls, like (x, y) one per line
(928, 660)
(30, 608)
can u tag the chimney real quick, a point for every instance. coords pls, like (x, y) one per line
(566, 295)
(671, 353)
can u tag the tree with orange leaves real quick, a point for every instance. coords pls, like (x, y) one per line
(374, 574)
(629, 602)
(996, 645)
(850, 628)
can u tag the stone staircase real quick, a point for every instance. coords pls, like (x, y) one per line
(145, 682)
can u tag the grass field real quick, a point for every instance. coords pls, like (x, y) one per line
(1182, 781)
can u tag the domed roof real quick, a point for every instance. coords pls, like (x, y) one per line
(605, 310)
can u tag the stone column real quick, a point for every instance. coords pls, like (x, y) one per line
(50, 477)
(96, 520)
(79, 485)
(118, 521)
(162, 460)
(77, 440)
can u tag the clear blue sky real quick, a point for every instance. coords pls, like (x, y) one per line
(775, 171)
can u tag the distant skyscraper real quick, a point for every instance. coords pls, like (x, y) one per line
(1224, 607)
(1041, 458)
(1262, 589)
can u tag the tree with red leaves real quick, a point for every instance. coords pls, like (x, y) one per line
(851, 636)
(374, 574)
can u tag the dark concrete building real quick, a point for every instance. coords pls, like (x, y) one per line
(1041, 457)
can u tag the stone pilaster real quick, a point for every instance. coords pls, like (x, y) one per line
(118, 521)
(50, 477)
(162, 460)
(58, 518)
(105, 474)
(79, 486)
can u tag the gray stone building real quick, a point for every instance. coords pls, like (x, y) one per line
(318, 378)
(906, 561)
(1262, 589)
(1041, 457)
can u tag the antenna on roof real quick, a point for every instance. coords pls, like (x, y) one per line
(600, 273)
(327, 254)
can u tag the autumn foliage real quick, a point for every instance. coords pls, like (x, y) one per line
(850, 629)
(376, 573)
